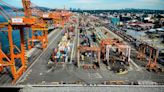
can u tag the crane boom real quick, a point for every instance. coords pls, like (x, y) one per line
(27, 10)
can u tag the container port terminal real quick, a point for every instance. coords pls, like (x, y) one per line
(63, 50)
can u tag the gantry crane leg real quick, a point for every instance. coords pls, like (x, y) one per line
(30, 41)
(89, 49)
(152, 63)
(45, 39)
(16, 73)
(141, 54)
(1, 58)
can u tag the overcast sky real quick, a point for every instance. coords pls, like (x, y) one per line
(95, 4)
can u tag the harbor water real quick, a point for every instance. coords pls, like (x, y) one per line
(15, 34)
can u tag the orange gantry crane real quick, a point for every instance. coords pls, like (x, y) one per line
(56, 18)
(45, 16)
(16, 54)
(87, 49)
(65, 16)
(60, 17)
(151, 54)
(45, 19)
(39, 25)
(107, 44)
(124, 51)
(152, 61)
(20, 23)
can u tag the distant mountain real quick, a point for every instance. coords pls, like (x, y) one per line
(5, 7)
(127, 10)
(21, 9)
(43, 8)
(10, 8)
